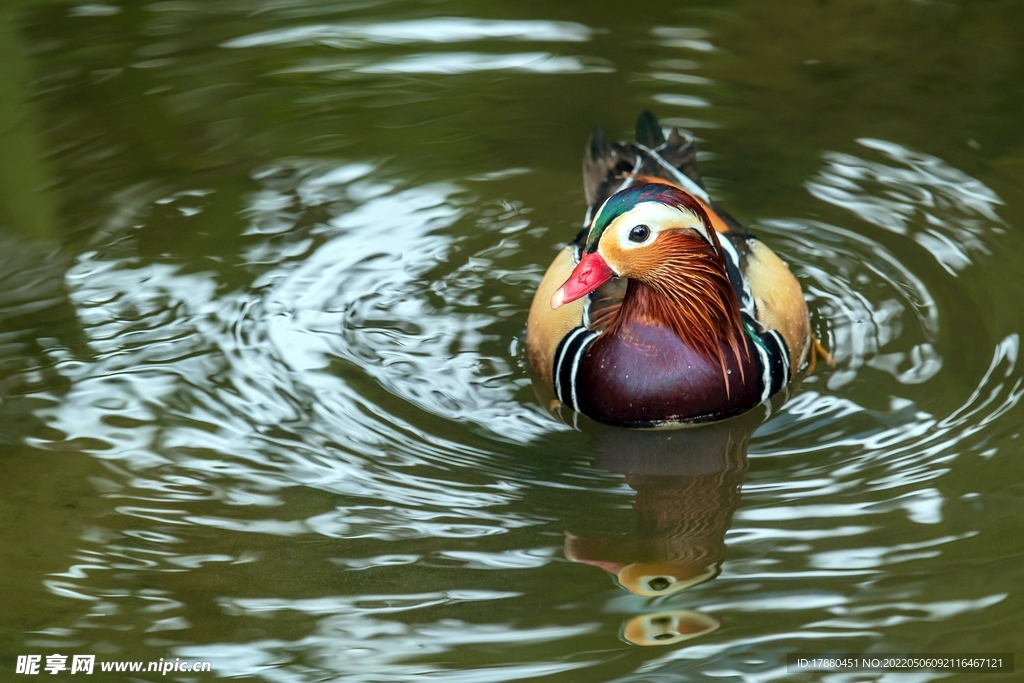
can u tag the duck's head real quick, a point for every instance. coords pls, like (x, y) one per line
(642, 233)
(658, 579)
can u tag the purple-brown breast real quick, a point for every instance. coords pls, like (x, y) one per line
(645, 374)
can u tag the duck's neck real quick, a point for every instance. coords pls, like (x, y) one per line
(692, 296)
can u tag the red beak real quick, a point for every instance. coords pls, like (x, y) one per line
(590, 273)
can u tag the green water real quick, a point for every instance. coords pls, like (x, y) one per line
(263, 396)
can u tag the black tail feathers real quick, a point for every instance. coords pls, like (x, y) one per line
(648, 130)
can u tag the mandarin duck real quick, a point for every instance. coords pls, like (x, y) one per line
(664, 310)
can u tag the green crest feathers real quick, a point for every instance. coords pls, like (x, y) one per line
(624, 200)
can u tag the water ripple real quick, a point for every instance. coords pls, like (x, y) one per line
(945, 210)
(469, 62)
(433, 30)
(280, 407)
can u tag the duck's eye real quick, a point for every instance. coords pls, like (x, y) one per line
(660, 583)
(639, 233)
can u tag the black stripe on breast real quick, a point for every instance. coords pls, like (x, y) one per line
(568, 357)
(779, 360)
(732, 269)
(772, 350)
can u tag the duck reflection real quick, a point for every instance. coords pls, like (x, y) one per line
(687, 484)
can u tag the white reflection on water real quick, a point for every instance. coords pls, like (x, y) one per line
(682, 100)
(875, 557)
(350, 36)
(370, 604)
(468, 62)
(419, 339)
(683, 37)
(667, 71)
(248, 393)
(211, 404)
(923, 506)
(945, 210)
(433, 30)
(912, 611)
(869, 299)
(356, 637)
(94, 10)
(917, 446)
(511, 559)
(688, 79)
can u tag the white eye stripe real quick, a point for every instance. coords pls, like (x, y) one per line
(657, 217)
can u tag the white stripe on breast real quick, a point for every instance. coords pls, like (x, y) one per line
(766, 372)
(561, 359)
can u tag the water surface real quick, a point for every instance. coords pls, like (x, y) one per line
(263, 393)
